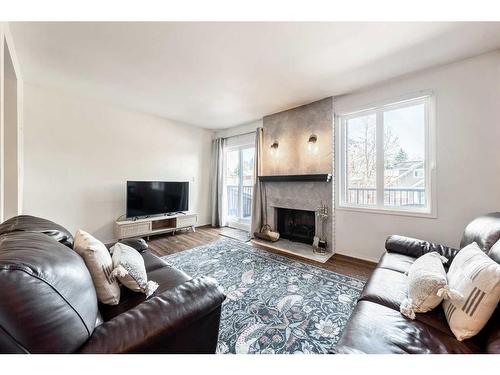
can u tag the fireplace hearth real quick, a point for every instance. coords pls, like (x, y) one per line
(296, 225)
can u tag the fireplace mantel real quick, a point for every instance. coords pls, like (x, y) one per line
(327, 177)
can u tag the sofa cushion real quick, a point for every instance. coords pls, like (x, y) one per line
(396, 262)
(389, 288)
(166, 276)
(490, 334)
(152, 262)
(27, 223)
(484, 230)
(415, 247)
(374, 328)
(386, 287)
(48, 302)
(138, 244)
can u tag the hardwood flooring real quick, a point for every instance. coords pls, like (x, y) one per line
(170, 244)
(167, 244)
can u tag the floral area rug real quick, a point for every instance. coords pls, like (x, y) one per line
(274, 304)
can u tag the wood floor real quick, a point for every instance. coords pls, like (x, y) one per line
(170, 244)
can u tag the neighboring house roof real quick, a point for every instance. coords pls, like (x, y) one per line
(405, 174)
(413, 164)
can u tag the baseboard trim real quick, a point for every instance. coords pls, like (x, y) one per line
(368, 260)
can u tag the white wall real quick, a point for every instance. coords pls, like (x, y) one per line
(79, 153)
(11, 127)
(10, 152)
(468, 155)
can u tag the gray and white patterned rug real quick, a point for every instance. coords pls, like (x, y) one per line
(274, 304)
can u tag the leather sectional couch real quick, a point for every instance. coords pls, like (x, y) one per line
(48, 302)
(377, 326)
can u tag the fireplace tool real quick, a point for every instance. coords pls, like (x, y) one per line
(320, 244)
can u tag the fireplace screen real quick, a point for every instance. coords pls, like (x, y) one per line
(296, 225)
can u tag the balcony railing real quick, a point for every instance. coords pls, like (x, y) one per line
(398, 197)
(246, 201)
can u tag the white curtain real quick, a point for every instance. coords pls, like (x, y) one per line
(217, 184)
(259, 192)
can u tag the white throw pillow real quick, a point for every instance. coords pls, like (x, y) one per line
(98, 261)
(477, 277)
(427, 285)
(130, 270)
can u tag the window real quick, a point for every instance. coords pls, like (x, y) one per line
(385, 158)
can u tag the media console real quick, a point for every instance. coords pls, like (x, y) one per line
(154, 225)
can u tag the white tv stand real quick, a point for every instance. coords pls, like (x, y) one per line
(154, 225)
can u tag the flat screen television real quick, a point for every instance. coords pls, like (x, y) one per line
(146, 198)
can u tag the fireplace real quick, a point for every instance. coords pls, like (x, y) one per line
(296, 225)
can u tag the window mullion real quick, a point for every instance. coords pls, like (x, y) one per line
(380, 159)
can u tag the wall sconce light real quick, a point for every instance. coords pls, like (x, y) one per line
(274, 147)
(311, 143)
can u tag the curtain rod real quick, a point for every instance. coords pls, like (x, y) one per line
(239, 135)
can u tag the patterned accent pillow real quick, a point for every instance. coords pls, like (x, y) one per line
(130, 270)
(98, 261)
(495, 252)
(477, 278)
(427, 285)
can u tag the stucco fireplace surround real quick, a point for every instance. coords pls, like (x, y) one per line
(304, 196)
(296, 175)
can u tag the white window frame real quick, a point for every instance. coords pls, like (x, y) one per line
(430, 211)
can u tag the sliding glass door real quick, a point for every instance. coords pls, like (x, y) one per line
(239, 163)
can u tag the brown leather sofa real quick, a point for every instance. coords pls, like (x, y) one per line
(377, 326)
(48, 302)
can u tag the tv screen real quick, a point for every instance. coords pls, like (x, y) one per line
(146, 198)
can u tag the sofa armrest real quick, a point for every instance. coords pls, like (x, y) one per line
(415, 248)
(137, 243)
(141, 328)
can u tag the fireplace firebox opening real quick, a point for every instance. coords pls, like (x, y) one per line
(296, 225)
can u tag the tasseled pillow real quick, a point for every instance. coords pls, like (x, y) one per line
(129, 269)
(427, 285)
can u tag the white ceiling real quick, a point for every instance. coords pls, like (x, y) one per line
(218, 75)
